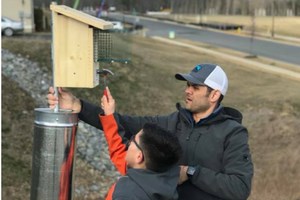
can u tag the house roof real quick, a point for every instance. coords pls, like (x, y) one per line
(81, 16)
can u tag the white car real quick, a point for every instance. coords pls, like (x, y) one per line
(118, 26)
(9, 27)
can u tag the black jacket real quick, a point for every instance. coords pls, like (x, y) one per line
(218, 146)
(141, 184)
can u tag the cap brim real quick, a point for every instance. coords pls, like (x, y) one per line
(187, 77)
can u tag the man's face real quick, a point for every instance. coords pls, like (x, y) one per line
(134, 156)
(197, 98)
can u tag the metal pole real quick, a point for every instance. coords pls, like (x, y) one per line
(54, 148)
(273, 20)
(56, 108)
(53, 155)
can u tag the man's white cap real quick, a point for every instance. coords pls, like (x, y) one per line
(207, 74)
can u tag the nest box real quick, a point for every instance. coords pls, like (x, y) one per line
(75, 47)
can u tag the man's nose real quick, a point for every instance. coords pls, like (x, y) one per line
(188, 90)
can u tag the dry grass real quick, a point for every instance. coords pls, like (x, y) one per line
(282, 25)
(270, 104)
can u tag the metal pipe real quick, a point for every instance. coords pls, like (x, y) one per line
(56, 108)
(53, 154)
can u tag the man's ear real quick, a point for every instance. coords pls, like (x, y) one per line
(215, 95)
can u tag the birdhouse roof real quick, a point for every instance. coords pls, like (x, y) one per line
(81, 16)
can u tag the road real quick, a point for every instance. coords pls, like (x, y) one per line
(255, 46)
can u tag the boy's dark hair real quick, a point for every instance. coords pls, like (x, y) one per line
(161, 148)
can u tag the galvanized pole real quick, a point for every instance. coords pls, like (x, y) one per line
(53, 65)
(53, 154)
(54, 148)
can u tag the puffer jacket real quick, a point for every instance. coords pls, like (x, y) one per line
(217, 146)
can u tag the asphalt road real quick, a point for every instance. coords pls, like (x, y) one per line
(252, 46)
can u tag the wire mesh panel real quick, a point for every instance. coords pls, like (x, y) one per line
(111, 46)
(102, 46)
(112, 49)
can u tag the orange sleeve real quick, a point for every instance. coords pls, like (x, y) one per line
(117, 150)
(110, 192)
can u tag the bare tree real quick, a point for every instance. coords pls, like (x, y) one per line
(227, 7)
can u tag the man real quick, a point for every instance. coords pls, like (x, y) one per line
(216, 161)
(148, 166)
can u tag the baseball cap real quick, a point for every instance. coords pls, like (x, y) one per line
(208, 74)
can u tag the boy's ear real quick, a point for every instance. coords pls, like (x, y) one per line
(140, 157)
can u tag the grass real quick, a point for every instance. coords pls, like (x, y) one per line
(17, 131)
(263, 24)
(282, 25)
(270, 105)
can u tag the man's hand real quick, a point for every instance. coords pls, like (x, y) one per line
(108, 103)
(183, 176)
(65, 99)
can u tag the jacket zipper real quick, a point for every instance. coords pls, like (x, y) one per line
(189, 135)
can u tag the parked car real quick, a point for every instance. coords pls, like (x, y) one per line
(10, 27)
(118, 26)
(112, 9)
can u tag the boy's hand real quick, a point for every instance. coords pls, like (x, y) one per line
(108, 103)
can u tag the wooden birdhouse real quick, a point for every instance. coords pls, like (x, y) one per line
(75, 49)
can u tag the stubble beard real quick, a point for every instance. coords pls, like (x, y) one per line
(197, 109)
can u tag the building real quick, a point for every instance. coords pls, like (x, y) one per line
(20, 10)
